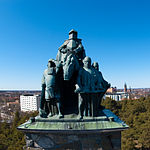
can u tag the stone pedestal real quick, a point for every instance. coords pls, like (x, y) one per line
(102, 133)
(79, 140)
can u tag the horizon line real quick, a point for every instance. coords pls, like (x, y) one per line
(41, 89)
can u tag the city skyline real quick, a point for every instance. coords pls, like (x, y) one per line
(116, 34)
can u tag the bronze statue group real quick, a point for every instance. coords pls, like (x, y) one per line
(70, 84)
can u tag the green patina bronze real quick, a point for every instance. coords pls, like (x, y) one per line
(108, 121)
(71, 84)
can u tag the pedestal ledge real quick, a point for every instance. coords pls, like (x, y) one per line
(102, 132)
(108, 121)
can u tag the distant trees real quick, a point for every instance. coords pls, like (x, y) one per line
(136, 113)
(10, 137)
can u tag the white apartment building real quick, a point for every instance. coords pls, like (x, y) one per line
(117, 96)
(29, 102)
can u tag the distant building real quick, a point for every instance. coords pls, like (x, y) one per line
(13, 103)
(29, 102)
(118, 96)
(112, 90)
(125, 88)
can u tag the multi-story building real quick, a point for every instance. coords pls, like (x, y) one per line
(29, 102)
(117, 96)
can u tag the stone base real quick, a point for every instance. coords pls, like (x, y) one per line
(102, 132)
(78, 141)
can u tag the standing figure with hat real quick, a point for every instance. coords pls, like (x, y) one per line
(50, 97)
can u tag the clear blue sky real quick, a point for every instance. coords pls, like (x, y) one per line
(116, 33)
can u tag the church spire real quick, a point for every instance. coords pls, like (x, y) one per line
(125, 87)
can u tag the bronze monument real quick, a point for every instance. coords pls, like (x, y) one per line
(70, 113)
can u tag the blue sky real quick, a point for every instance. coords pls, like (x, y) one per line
(114, 33)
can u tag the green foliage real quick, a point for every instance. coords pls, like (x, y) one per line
(136, 113)
(10, 137)
(111, 104)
